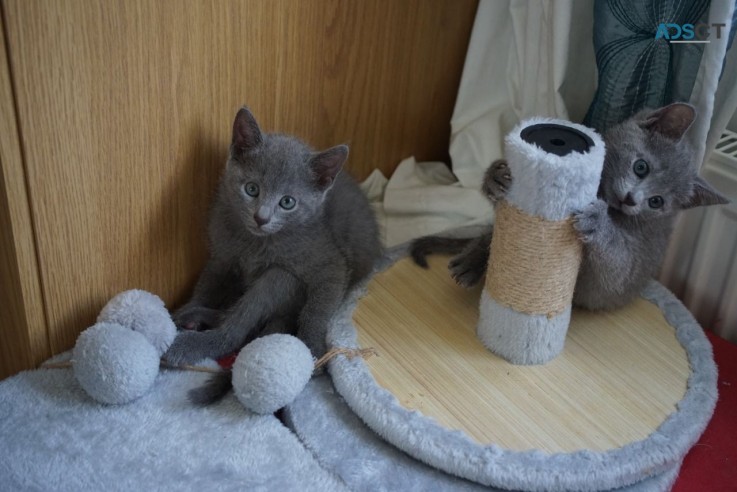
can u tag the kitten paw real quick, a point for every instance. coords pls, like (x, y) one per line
(184, 350)
(590, 221)
(193, 317)
(497, 181)
(466, 271)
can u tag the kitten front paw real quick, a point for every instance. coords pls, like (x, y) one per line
(590, 221)
(497, 181)
(194, 317)
(466, 270)
(185, 350)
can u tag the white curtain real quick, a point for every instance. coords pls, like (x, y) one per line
(525, 59)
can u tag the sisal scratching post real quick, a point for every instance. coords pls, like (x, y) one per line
(526, 303)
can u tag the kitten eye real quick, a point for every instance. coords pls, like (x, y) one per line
(251, 189)
(641, 168)
(655, 201)
(287, 202)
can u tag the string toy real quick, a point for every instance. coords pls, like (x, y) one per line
(116, 361)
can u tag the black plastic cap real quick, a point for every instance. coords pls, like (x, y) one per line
(557, 139)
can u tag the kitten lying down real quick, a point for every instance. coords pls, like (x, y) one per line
(649, 175)
(289, 234)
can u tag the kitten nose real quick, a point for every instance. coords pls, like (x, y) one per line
(260, 220)
(629, 200)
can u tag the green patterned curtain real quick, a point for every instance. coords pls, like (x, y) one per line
(636, 70)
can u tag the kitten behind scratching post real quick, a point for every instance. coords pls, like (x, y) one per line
(535, 255)
(649, 176)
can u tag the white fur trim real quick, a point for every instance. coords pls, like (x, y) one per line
(548, 185)
(520, 338)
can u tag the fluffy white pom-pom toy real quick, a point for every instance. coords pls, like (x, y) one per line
(117, 360)
(114, 364)
(271, 371)
(143, 312)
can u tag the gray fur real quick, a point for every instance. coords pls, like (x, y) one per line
(273, 269)
(624, 237)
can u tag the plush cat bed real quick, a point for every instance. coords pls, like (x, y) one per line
(647, 464)
(354, 452)
(366, 462)
(56, 437)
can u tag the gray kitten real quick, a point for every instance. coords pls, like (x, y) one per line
(648, 176)
(289, 234)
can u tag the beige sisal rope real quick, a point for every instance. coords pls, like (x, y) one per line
(533, 262)
(350, 353)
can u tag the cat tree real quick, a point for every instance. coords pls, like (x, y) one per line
(616, 410)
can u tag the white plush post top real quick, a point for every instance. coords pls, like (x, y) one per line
(547, 185)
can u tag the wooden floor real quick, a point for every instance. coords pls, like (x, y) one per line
(619, 376)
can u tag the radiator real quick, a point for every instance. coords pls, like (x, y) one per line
(700, 266)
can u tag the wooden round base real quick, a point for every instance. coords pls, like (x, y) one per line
(620, 374)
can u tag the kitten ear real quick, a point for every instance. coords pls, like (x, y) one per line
(246, 133)
(703, 194)
(327, 164)
(671, 121)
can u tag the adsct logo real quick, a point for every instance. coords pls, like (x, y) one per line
(688, 33)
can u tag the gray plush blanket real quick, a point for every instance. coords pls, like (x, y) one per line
(54, 437)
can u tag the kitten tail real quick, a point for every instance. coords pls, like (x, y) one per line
(213, 390)
(427, 245)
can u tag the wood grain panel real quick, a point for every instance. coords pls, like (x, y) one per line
(125, 110)
(23, 335)
(619, 376)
